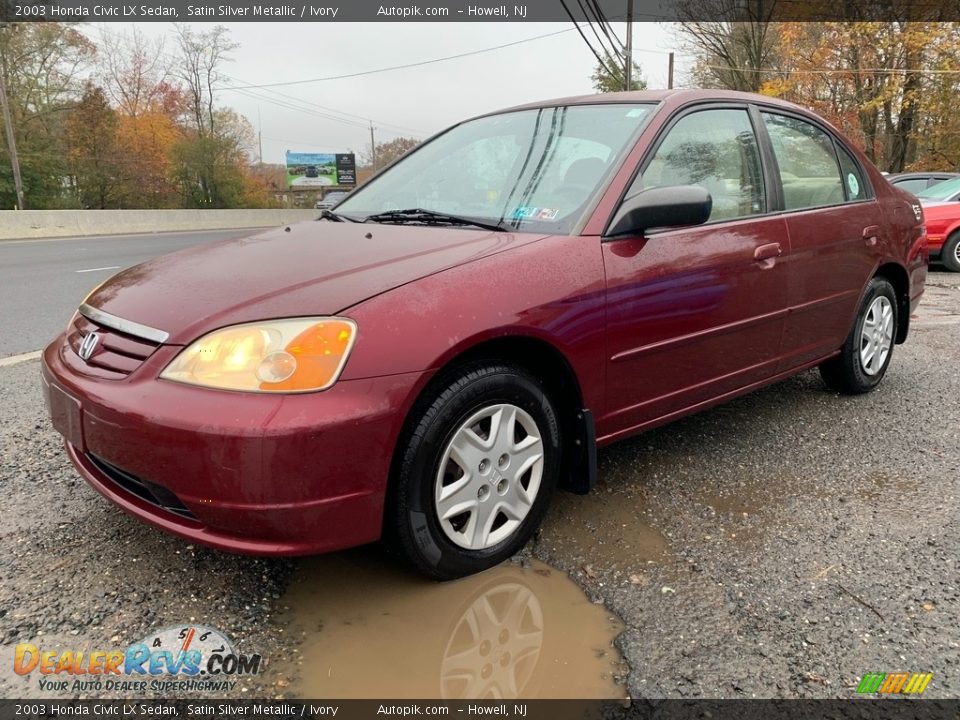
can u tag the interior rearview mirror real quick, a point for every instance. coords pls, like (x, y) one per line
(673, 206)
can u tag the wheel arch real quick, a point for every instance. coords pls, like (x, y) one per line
(897, 276)
(545, 361)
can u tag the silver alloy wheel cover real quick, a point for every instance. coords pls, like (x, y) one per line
(956, 252)
(488, 478)
(876, 335)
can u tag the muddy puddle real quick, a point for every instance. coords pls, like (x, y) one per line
(607, 526)
(370, 629)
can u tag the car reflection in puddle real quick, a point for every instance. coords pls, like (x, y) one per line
(372, 629)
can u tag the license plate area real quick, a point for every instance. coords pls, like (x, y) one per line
(66, 414)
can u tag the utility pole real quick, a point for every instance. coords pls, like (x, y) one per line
(628, 55)
(373, 148)
(670, 73)
(259, 136)
(11, 138)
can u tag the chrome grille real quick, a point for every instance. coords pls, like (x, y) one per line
(117, 354)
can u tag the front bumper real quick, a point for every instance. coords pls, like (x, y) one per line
(248, 473)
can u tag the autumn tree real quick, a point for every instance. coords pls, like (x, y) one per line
(135, 71)
(873, 80)
(202, 55)
(212, 170)
(92, 157)
(890, 86)
(150, 109)
(731, 55)
(211, 160)
(389, 151)
(42, 65)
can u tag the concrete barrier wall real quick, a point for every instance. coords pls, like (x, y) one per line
(19, 224)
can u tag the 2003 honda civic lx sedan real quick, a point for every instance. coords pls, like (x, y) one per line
(430, 360)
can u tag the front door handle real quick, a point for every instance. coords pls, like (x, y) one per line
(767, 254)
(870, 235)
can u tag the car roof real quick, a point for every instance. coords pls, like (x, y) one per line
(673, 97)
(933, 173)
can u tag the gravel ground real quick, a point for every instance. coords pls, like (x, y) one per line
(778, 546)
(810, 537)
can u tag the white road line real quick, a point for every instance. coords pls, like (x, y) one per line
(17, 359)
(112, 267)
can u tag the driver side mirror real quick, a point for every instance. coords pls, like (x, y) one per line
(662, 207)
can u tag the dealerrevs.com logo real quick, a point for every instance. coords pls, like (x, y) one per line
(178, 658)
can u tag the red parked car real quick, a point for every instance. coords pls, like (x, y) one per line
(941, 211)
(428, 361)
(943, 232)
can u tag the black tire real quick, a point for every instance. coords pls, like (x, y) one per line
(846, 373)
(950, 253)
(412, 524)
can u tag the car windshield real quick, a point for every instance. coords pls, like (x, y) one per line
(531, 170)
(941, 191)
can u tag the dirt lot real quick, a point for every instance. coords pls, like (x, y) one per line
(778, 546)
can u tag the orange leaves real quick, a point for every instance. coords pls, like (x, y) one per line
(144, 144)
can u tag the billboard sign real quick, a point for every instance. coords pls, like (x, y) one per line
(306, 170)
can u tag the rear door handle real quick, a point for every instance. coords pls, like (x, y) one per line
(870, 234)
(767, 254)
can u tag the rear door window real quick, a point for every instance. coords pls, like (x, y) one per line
(808, 163)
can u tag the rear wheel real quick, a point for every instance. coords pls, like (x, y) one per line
(950, 253)
(866, 353)
(476, 472)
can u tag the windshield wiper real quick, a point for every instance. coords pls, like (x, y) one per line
(431, 217)
(330, 215)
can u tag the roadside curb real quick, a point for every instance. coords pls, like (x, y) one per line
(22, 358)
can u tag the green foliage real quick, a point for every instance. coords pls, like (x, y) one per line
(41, 64)
(208, 172)
(91, 135)
(613, 80)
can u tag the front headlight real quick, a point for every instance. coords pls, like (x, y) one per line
(284, 356)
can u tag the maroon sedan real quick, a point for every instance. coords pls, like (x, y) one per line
(429, 361)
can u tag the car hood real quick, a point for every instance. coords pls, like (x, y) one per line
(310, 268)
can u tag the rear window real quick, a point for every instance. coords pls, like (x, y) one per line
(913, 185)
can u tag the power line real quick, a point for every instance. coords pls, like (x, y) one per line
(605, 26)
(586, 7)
(576, 26)
(289, 100)
(842, 71)
(401, 67)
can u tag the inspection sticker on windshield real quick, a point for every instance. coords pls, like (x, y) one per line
(535, 213)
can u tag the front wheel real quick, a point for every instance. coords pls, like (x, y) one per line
(866, 353)
(476, 472)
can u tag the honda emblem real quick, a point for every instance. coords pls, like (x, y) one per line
(88, 345)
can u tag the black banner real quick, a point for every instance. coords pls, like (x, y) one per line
(866, 709)
(325, 11)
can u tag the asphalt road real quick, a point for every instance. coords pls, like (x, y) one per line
(43, 281)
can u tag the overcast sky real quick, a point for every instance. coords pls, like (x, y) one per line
(414, 101)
